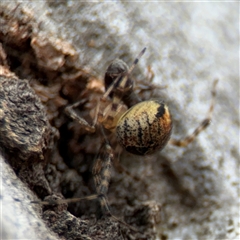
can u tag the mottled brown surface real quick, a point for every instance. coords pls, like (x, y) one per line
(25, 133)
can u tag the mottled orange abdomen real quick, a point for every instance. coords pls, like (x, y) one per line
(145, 128)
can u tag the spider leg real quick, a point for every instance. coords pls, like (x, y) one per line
(135, 62)
(69, 110)
(202, 126)
(102, 175)
(147, 85)
(151, 75)
(62, 201)
(111, 114)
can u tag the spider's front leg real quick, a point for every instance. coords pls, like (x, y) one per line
(69, 110)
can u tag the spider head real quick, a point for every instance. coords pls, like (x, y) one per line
(117, 70)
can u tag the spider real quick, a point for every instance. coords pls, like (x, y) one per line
(141, 127)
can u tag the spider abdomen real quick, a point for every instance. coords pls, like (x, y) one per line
(145, 128)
